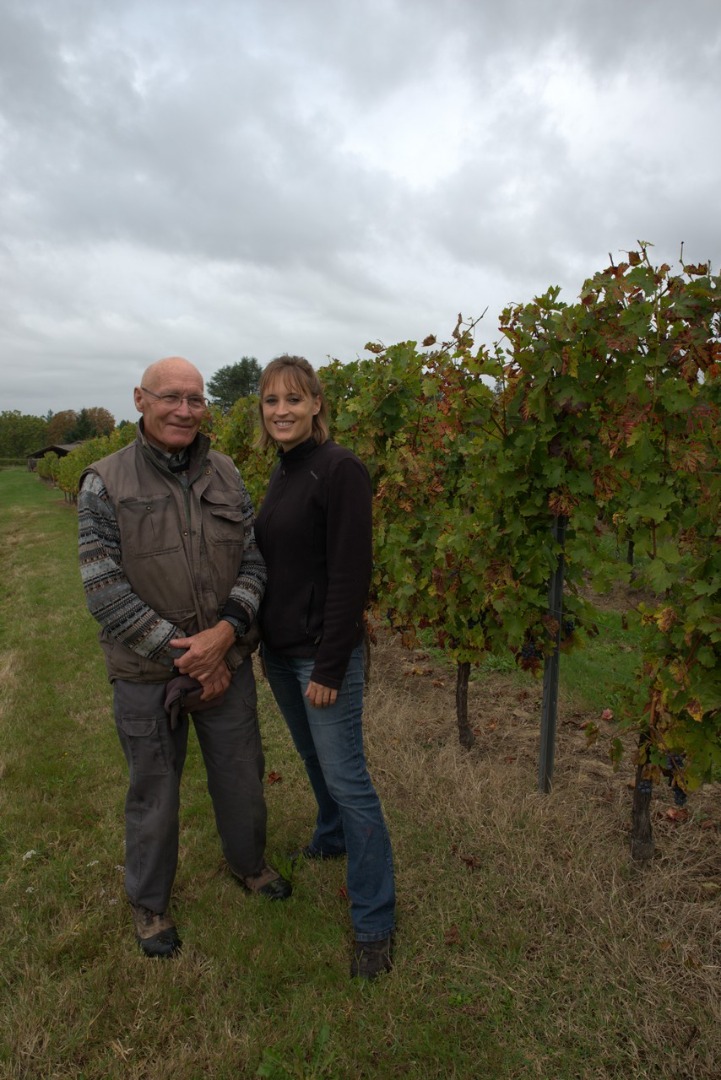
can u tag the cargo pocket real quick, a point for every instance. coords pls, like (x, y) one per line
(144, 740)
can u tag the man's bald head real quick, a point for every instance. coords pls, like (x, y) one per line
(168, 369)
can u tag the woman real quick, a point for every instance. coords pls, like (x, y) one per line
(314, 530)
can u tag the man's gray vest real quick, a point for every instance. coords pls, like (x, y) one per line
(181, 548)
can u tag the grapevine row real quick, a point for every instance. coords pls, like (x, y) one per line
(604, 414)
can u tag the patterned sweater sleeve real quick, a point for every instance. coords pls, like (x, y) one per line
(109, 596)
(247, 592)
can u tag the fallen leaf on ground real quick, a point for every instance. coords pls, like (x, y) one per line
(453, 936)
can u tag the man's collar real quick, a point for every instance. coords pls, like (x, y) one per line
(175, 462)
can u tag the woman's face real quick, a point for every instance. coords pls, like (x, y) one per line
(288, 413)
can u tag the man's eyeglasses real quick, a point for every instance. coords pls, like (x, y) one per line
(196, 403)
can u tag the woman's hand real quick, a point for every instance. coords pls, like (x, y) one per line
(320, 696)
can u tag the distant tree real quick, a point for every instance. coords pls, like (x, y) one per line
(103, 422)
(83, 428)
(70, 426)
(92, 423)
(234, 381)
(61, 426)
(20, 434)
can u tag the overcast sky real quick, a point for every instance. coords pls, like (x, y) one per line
(233, 178)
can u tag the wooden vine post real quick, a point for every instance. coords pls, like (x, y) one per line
(465, 732)
(549, 707)
(642, 842)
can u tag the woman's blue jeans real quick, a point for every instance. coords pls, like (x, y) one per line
(350, 818)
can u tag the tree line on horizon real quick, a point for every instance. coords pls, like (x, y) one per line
(22, 434)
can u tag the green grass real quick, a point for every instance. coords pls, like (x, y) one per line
(527, 945)
(597, 672)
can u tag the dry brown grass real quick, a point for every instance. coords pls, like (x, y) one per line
(595, 936)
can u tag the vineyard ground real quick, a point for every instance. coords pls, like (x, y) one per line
(505, 703)
(504, 714)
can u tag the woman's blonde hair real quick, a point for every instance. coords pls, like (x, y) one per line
(297, 374)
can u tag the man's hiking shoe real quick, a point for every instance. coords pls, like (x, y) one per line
(268, 883)
(155, 932)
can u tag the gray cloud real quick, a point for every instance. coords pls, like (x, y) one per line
(231, 179)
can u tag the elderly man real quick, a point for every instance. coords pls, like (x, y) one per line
(172, 573)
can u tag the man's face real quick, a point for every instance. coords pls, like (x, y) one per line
(171, 426)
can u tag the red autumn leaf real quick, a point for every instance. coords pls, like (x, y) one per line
(274, 778)
(607, 714)
(677, 813)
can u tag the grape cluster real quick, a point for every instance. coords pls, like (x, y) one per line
(679, 796)
(530, 657)
(644, 787)
(674, 765)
